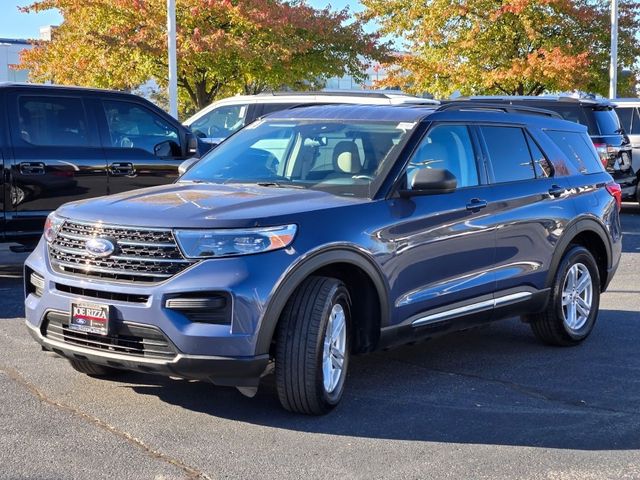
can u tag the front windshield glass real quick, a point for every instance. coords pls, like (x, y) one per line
(343, 158)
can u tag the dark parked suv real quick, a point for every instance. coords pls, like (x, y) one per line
(321, 232)
(606, 132)
(60, 144)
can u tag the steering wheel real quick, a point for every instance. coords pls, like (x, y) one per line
(123, 141)
(215, 131)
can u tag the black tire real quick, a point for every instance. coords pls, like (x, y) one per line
(549, 326)
(300, 346)
(93, 369)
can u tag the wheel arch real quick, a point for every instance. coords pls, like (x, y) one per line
(349, 264)
(591, 234)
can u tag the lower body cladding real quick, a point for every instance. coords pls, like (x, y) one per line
(201, 324)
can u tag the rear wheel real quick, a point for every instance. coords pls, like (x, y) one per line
(575, 298)
(312, 350)
(93, 369)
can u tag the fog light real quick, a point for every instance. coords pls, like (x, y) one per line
(37, 282)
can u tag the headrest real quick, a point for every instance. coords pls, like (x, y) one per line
(346, 158)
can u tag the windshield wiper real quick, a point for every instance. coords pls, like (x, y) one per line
(277, 185)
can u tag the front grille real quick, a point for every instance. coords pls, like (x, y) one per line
(137, 340)
(88, 292)
(141, 255)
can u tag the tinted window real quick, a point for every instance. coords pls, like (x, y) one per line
(509, 153)
(579, 149)
(541, 165)
(629, 119)
(448, 147)
(220, 122)
(275, 107)
(625, 115)
(607, 120)
(52, 121)
(133, 126)
(573, 113)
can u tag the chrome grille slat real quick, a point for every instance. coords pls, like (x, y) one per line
(90, 268)
(142, 254)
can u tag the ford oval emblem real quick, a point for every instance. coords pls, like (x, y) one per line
(99, 247)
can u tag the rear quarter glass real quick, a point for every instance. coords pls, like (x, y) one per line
(578, 148)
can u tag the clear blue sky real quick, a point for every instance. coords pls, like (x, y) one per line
(14, 24)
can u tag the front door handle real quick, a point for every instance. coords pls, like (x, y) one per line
(31, 168)
(121, 169)
(556, 190)
(476, 204)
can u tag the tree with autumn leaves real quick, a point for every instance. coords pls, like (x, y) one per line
(513, 47)
(224, 46)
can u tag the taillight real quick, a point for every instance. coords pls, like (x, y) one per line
(616, 192)
(603, 153)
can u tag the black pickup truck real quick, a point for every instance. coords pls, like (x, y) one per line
(59, 144)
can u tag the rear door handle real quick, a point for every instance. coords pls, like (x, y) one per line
(556, 191)
(31, 168)
(476, 204)
(121, 169)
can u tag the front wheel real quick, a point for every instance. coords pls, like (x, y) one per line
(312, 350)
(575, 299)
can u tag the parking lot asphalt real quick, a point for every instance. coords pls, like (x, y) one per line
(488, 403)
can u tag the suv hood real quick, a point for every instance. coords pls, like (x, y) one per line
(186, 205)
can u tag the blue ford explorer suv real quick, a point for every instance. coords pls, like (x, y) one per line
(322, 232)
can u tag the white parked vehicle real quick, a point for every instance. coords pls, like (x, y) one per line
(224, 117)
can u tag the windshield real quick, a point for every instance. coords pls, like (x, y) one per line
(343, 158)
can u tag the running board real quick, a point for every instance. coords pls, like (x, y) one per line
(473, 308)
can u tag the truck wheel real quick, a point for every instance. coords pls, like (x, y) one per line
(93, 369)
(312, 349)
(575, 298)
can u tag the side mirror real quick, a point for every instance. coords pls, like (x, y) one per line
(186, 165)
(431, 181)
(192, 144)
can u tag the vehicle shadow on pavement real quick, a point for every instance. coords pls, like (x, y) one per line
(493, 385)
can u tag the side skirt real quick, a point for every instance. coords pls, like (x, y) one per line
(464, 315)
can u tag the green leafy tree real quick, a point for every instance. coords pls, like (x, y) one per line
(515, 47)
(224, 46)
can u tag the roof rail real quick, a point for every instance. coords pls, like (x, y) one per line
(338, 93)
(473, 105)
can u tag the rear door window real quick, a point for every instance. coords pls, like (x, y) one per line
(579, 149)
(509, 153)
(52, 121)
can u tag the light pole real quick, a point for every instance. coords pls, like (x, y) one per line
(613, 68)
(173, 62)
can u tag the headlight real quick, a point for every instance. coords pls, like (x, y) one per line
(51, 226)
(220, 243)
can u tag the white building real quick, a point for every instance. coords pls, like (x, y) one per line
(10, 56)
(373, 74)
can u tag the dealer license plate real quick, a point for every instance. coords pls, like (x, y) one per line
(89, 318)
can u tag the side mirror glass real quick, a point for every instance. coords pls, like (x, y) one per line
(431, 181)
(186, 165)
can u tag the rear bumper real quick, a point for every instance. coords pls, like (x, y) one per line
(231, 371)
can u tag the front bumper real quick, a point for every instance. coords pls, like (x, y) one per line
(226, 354)
(230, 371)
